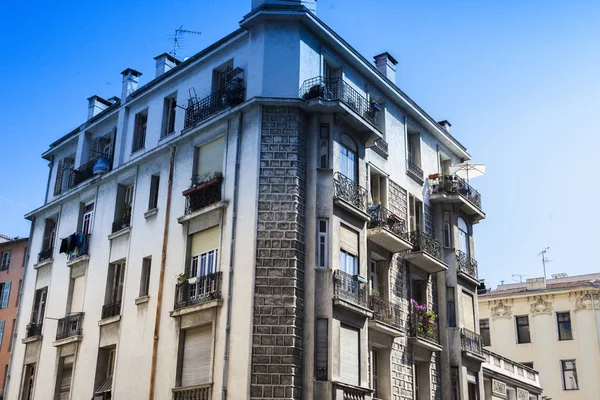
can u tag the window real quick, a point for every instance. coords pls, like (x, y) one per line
(528, 364)
(348, 250)
(154, 185)
(523, 335)
(145, 280)
(373, 277)
(2, 324)
(209, 160)
(139, 131)
(104, 373)
(468, 312)
(454, 381)
(169, 109)
(28, 382)
(13, 334)
(415, 216)
(63, 377)
(447, 230)
(5, 290)
(39, 306)
(88, 218)
(322, 349)
(349, 355)
(123, 207)
(414, 148)
(463, 236)
(64, 175)
(322, 255)
(196, 356)
(428, 220)
(348, 158)
(375, 372)
(114, 290)
(348, 263)
(484, 330)
(204, 264)
(76, 291)
(569, 375)
(324, 146)
(5, 260)
(419, 291)
(19, 293)
(564, 326)
(49, 236)
(204, 259)
(451, 306)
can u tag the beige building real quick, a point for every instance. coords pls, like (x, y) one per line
(550, 325)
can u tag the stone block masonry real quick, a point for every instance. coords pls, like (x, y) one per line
(277, 335)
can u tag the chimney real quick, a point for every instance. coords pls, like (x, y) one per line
(165, 62)
(386, 64)
(310, 4)
(96, 105)
(131, 77)
(446, 125)
(536, 283)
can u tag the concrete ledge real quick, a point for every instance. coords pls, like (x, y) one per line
(196, 308)
(365, 312)
(473, 356)
(67, 340)
(122, 232)
(142, 300)
(386, 329)
(151, 213)
(202, 211)
(110, 320)
(43, 263)
(351, 209)
(31, 339)
(85, 257)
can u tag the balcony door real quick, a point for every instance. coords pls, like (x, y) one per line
(39, 306)
(88, 218)
(463, 236)
(348, 158)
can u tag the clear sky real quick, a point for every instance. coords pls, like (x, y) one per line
(518, 79)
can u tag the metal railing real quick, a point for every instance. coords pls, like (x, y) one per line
(111, 310)
(199, 290)
(200, 392)
(381, 217)
(121, 223)
(350, 191)
(86, 171)
(71, 325)
(202, 194)
(200, 110)
(414, 170)
(32, 329)
(422, 241)
(45, 254)
(82, 249)
(466, 264)
(455, 185)
(336, 89)
(386, 312)
(347, 287)
(471, 341)
(424, 324)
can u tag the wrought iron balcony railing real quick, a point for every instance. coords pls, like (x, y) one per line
(471, 341)
(336, 89)
(198, 290)
(381, 217)
(454, 184)
(122, 223)
(200, 392)
(423, 324)
(111, 310)
(202, 194)
(71, 325)
(45, 254)
(200, 110)
(347, 287)
(386, 312)
(33, 329)
(86, 171)
(81, 246)
(422, 241)
(415, 171)
(350, 191)
(466, 264)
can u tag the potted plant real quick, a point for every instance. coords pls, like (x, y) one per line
(182, 277)
(375, 293)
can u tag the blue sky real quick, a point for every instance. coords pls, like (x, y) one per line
(518, 79)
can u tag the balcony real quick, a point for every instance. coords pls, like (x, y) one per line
(387, 317)
(76, 247)
(202, 193)
(466, 267)
(350, 195)
(381, 147)
(426, 252)
(45, 254)
(456, 190)
(362, 114)
(424, 333)
(387, 229)
(111, 310)
(344, 391)
(471, 343)
(201, 392)
(415, 172)
(121, 223)
(86, 171)
(71, 325)
(199, 110)
(33, 330)
(195, 291)
(350, 292)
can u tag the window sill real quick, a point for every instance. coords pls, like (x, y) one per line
(150, 213)
(202, 211)
(67, 340)
(32, 339)
(138, 150)
(164, 138)
(43, 263)
(121, 232)
(142, 300)
(77, 260)
(109, 320)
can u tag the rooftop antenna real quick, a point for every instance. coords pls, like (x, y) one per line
(544, 259)
(520, 276)
(178, 39)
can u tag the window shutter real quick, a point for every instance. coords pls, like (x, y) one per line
(5, 294)
(77, 294)
(467, 311)
(210, 158)
(2, 323)
(208, 239)
(349, 355)
(348, 240)
(65, 379)
(58, 181)
(196, 356)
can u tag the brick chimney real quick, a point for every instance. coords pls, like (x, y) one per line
(446, 125)
(310, 4)
(164, 63)
(96, 105)
(131, 77)
(386, 64)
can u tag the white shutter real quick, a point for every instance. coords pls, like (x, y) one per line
(206, 240)
(6, 294)
(467, 311)
(349, 355)
(2, 323)
(77, 295)
(210, 158)
(348, 240)
(196, 356)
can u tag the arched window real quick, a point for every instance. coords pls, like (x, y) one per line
(463, 236)
(348, 157)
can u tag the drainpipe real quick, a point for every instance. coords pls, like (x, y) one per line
(236, 178)
(163, 261)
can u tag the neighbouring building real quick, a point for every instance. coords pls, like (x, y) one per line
(271, 218)
(12, 263)
(504, 378)
(551, 325)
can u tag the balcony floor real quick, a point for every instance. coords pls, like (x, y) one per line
(455, 198)
(386, 329)
(355, 308)
(425, 262)
(388, 240)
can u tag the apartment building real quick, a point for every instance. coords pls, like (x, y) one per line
(271, 218)
(12, 263)
(550, 325)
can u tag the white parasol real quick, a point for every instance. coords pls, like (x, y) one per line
(468, 170)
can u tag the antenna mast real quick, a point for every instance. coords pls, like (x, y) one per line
(544, 259)
(178, 39)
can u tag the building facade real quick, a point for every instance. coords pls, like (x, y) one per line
(552, 326)
(507, 379)
(12, 263)
(271, 218)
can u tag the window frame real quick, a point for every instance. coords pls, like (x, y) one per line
(87, 218)
(324, 133)
(153, 193)
(517, 325)
(447, 236)
(347, 256)
(5, 260)
(346, 161)
(169, 115)
(451, 306)
(140, 129)
(484, 326)
(574, 370)
(322, 243)
(145, 277)
(558, 325)
(197, 259)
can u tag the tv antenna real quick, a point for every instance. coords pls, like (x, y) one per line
(544, 259)
(520, 276)
(178, 39)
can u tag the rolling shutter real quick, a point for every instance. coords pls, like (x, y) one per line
(348, 240)
(210, 158)
(196, 356)
(65, 379)
(77, 294)
(206, 240)
(467, 311)
(349, 355)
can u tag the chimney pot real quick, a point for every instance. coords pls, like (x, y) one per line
(96, 105)
(164, 63)
(386, 64)
(446, 125)
(131, 78)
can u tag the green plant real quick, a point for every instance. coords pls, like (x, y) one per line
(183, 277)
(375, 292)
